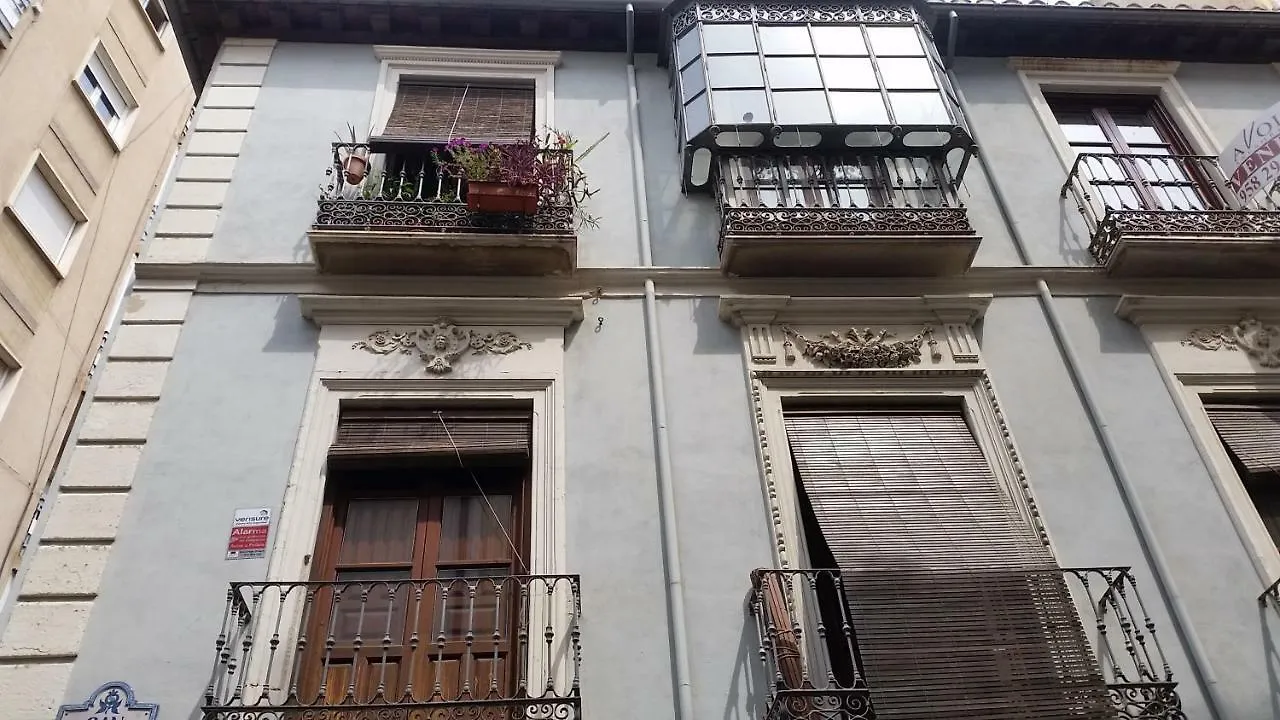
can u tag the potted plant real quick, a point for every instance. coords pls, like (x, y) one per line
(354, 157)
(520, 177)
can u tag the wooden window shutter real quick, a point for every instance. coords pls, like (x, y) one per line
(1251, 434)
(432, 113)
(394, 433)
(958, 608)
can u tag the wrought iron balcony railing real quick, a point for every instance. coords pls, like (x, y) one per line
(481, 648)
(811, 656)
(1162, 196)
(1271, 594)
(407, 192)
(849, 214)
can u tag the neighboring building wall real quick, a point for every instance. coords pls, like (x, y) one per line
(52, 319)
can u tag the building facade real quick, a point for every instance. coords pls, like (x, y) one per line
(915, 361)
(96, 96)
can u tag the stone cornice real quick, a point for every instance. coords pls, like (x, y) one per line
(747, 309)
(394, 310)
(1190, 309)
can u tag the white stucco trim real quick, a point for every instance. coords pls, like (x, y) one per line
(1120, 78)
(465, 64)
(384, 309)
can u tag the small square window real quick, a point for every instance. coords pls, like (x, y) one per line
(728, 71)
(732, 107)
(98, 83)
(801, 108)
(859, 108)
(785, 40)
(793, 72)
(719, 38)
(895, 41)
(156, 13)
(839, 40)
(851, 73)
(44, 215)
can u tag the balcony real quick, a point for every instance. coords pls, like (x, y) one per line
(850, 645)
(406, 217)
(479, 648)
(840, 216)
(1172, 216)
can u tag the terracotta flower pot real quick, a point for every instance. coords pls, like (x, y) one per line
(496, 197)
(354, 168)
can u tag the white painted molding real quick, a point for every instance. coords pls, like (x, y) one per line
(1094, 65)
(373, 309)
(755, 309)
(1188, 309)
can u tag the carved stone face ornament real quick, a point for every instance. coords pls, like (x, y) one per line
(1256, 339)
(441, 344)
(863, 348)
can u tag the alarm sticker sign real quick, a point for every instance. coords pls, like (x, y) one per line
(249, 531)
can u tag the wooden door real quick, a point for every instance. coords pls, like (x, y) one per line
(418, 602)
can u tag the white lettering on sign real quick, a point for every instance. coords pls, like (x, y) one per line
(1251, 160)
(249, 530)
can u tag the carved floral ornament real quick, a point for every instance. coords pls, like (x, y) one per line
(861, 348)
(441, 344)
(1256, 339)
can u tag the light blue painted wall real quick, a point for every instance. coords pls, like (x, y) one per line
(310, 92)
(222, 438)
(1228, 97)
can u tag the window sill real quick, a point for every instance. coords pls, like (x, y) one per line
(117, 144)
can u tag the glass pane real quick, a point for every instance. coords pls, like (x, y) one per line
(793, 72)
(692, 81)
(471, 529)
(1161, 169)
(87, 81)
(733, 38)
(919, 108)
(376, 531)
(785, 40)
(103, 107)
(907, 73)
(1102, 168)
(839, 40)
(1083, 133)
(859, 108)
(852, 73)
(1137, 129)
(739, 106)
(370, 606)
(687, 48)
(475, 599)
(895, 40)
(697, 116)
(735, 71)
(800, 108)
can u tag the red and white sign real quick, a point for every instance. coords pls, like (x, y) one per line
(249, 531)
(1251, 160)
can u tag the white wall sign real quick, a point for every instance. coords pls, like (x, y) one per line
(249, 531)
(112, 701)
(1251, 160)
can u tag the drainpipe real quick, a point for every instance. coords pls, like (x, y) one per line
(1183, 626)
(678, 634)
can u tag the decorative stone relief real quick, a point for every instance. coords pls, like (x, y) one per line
(863, 348)
(760, 342)
(1259, 341)
(961, 342)
(441, 344)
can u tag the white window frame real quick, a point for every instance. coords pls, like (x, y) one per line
(10, 370)
(1109, 77)
(158, 32)
(62, 263)
(11, 14)
(457, 64)
(112, 85)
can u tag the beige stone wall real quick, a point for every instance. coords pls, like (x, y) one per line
(51, 319)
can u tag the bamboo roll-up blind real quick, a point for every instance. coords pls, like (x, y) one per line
(438, 113)
(374, 433)
(1251, 434)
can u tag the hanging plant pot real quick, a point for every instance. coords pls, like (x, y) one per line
(354, 168)
(496, 197)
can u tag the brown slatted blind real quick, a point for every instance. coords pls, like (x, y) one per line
(1251, 434)
(382, 433)
(438, 113)
(959, 609)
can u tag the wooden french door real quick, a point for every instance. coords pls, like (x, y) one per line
(1151, 170)
(419, 603)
